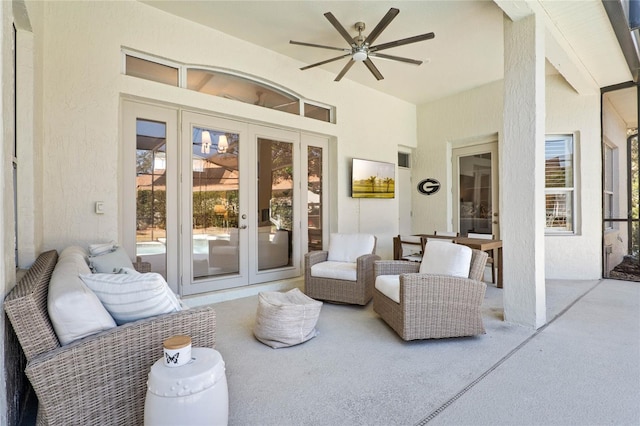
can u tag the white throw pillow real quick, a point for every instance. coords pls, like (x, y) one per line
(102, 248)
(130, 297)
(444, 258)
(110, 262)
(74, 310)
(349, 247)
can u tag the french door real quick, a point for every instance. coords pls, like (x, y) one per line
(475, 189)
(222, 204)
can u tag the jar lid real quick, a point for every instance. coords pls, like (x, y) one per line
(177, 342)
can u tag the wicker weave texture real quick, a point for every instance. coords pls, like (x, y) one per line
(101, 379)
(26, 307)
(357, 292)
(433, 306)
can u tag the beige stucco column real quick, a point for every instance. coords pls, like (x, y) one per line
(522, 172)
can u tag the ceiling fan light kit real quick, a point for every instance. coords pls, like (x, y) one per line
(360, 47)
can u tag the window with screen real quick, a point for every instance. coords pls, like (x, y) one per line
(559, 184)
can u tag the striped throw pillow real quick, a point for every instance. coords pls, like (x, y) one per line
(130, 297)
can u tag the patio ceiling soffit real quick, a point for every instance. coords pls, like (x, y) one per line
(558, 51)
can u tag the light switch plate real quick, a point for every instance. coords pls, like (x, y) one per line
(99, 207)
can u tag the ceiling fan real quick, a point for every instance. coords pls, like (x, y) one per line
(360, 47)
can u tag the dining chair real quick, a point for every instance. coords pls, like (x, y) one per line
(408, 247)
(490, 261)
(446, 233)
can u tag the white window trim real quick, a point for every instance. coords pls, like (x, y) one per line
(608, 225)
(182, 77)
(567, 190)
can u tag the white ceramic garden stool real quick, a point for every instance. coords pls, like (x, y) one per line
(192, 394)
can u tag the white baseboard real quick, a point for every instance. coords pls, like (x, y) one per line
(238, 293)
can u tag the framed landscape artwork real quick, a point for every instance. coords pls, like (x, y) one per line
(372, 179)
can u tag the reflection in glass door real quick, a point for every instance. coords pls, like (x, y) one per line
(149, 162)
(315, 211)
(151, 208)
(275, 203)
(215, 245)
(475, 189)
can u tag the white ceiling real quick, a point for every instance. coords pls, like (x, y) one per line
(467, 50)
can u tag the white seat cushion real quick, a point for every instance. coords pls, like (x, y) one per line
(389, 285)
(444, 258)
(349, 247)
(335, 270)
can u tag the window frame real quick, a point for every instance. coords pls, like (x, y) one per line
(184, 68)
(572, 191)
(611, 195)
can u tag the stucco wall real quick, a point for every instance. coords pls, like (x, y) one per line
(81, 88)
(477, 114)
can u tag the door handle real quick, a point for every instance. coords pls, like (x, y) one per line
(243, 227)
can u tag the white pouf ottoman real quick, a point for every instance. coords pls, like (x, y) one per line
(286, 319)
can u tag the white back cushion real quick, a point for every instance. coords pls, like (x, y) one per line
(349, 247)
(444, 258)
(74, 310)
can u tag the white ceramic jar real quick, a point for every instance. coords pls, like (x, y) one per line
(177, 350)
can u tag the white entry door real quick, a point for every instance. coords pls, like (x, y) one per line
(475, 189)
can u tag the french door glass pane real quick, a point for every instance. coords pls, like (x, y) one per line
(314, 197)
(475, 194)
(151, 210)
(215, 190)
(275, 203)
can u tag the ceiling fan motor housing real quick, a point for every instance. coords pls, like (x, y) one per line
(360, 54)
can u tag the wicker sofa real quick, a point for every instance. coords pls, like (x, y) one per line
(99, 379)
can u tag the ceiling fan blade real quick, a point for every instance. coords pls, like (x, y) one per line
(395, 58)
(373, 69)
(386, 20)
(402, 42)
(338, 26)
(344, 70)
(302, 43)
(325, 62)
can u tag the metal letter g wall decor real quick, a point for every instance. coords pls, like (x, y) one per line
(429, 186)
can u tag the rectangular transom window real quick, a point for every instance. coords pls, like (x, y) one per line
(150, 70)
(559, 184)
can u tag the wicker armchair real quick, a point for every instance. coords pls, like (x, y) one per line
(100, 379)
(432, 306)
(349, 281)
